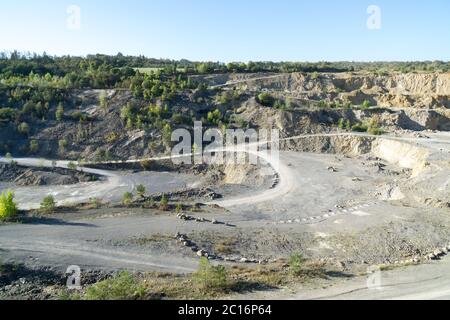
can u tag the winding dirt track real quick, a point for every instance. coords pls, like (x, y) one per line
(67, 244)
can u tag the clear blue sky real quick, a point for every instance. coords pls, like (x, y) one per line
(231, 30)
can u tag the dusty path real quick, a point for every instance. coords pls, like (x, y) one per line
(423, 282)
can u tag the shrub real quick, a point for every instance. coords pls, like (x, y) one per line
(366, 104)
(72, 166)
(266, 99)
(8, 207)
(210, 277)
(360, 127)
(122, 287)
(164, 203)
(48, 204)
(59, 114)
(34, 146)
(147, 165)
(127, 198)
(296, 264)
(215, 117)
(24, 128)
(375, 131)
(140, 189)
(62, 144)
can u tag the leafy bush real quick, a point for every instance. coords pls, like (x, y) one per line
(72, 166)
(215, 117)
(122, 287)
(296, 264)
(366, 104)
(360, 127)
(140, 189)
(266, 99)
(210, 277)
(127, 198)
(375, 131)
(23, 128)
(34, 146)
(48, 204)
(8, 208)
(147, 165)
(62, 144)
(164, 203)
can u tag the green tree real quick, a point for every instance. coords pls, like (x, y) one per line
(24, 128)
(215, 117)
(103, 101)
(8, 207)
(59, 112)
(48, 204)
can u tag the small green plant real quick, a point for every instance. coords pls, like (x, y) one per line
(375, 131)
(59, 114)
(48, 204)
(72, 166)
(103, 101)
(140, 189)
(348, 125)
(95, 203)
(127, 198)
(34, 146)
(164, 203)
(366, 104)
(8, 207)
(296, 264)
(341, 123)
(24, 128)
(62, 144)
(360, 127)
(123, 287)
(209, 277)
(179, 208)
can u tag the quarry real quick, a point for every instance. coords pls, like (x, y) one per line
(361, 180)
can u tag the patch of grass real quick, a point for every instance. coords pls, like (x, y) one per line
(151, 239)
(209, 277)
(123, 287)
(225, 246)
(209, 282)
(296, 264)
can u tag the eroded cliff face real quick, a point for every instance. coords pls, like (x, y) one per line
(412, 90)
